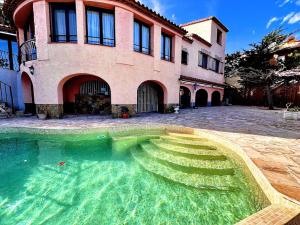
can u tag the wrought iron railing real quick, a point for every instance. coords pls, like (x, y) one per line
(28, 51)
(8, 61)
(6, 95)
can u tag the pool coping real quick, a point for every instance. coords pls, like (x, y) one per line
(275, 197)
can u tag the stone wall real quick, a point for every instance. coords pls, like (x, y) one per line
(117, 110)
(52, 111)
(93, 104)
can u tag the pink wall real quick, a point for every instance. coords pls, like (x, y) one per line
(72, 86)
(122, 68)
(26, 86)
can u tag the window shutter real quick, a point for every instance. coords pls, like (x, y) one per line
(200, 59)
(222, 68)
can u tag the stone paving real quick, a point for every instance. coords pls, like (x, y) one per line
(271, 142)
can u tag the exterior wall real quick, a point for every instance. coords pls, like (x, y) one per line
(208, 89)
(122, 68)
(203, 29)
(193, 69)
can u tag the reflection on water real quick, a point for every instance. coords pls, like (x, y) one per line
(85, 179)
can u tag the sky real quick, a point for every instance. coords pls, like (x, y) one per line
(247, 20)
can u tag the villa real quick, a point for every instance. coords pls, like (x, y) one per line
(95, 57)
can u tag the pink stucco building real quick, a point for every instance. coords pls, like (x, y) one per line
(96, 56)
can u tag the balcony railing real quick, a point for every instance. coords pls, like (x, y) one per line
(28, 51)
(8, 61)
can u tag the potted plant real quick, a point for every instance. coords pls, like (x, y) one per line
(124, 112)
(291, 113)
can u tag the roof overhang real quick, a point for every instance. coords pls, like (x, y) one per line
(10, 6)
(200, 81)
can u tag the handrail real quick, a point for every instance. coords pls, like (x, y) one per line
(6, 95)
(28, 51)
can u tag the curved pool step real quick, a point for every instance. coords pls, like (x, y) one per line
(186, 136)
(205, 182)
(138, 138)
(188, 152)
(188, 143)
(196, 166)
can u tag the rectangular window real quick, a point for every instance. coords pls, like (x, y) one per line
(219, 37)
(64, 25)
(166, 47)
(203, 60)
(100, 25)
(184, 57)
(217, 67)
(141, 37)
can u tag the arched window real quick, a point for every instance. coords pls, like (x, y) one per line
(94, 87)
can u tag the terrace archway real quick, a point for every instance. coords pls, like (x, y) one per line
(28, 94)
(86, 94)
(216, 98)
(201, 98)
(185, 97)
(150, 97)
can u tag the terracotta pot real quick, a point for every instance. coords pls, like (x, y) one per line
(125, 115)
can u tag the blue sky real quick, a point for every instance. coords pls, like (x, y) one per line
(247, 20)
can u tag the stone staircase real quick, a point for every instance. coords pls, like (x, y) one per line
(5, 111)
(188, 160)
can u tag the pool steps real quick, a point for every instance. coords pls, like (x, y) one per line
(205, 182)
(188, 152)
(188, 160)
(199, 166)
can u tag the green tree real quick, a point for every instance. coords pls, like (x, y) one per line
(256, 67)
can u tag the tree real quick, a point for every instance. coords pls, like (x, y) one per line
(257, 67)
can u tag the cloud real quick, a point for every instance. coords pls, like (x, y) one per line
(284, 3)
(271, 21)
(287, 17)
(173, 17)
(295, 18)
(158, 7)
(155, 5)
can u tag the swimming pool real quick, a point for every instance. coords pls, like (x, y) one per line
(141, 177)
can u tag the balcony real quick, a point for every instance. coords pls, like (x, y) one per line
(8, 61)
(28, 51)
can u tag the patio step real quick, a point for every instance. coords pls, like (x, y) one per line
(195, 144)
(199, 181)
(196, 166)
(189, 152)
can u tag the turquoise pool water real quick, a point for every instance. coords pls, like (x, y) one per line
(95, 179)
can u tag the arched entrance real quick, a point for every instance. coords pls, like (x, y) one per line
(150, 97)
(28, 94)
(86, 94)
(185, 97)
(216, 98)
(201, 98)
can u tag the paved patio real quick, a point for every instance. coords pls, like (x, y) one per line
(271, 142)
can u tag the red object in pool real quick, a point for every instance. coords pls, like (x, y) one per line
(61, 164)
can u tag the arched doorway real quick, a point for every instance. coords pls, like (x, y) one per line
(185, 97)
(150, 97)
(28, 94)
(216, 98)
(201, 98)
(86, 94)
